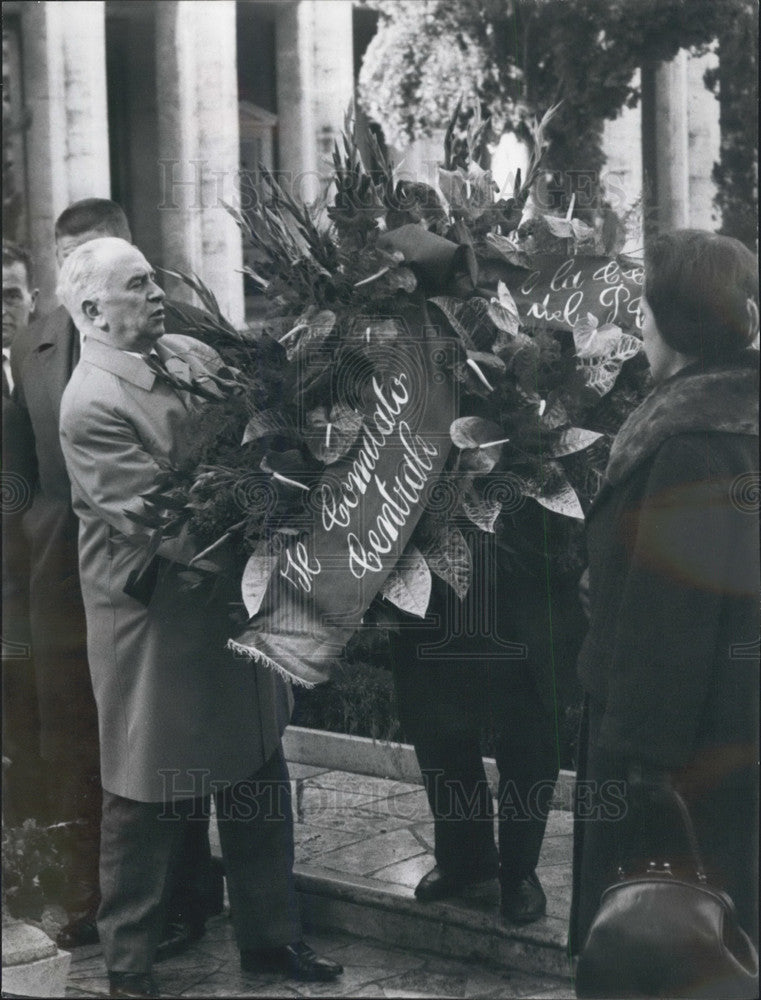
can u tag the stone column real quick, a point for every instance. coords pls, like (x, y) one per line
(67, 142)
(672, 143)
(705, 143)
(622, 173)
(315, 85)
(197, 96)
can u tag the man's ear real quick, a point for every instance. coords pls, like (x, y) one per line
(92, 311)
(33, 294)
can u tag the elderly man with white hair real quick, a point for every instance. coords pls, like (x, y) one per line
(179, 717)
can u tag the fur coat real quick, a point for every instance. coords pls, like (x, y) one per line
(670, 662)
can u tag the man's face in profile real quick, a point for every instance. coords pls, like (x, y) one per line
(128, 308)
(19, 301)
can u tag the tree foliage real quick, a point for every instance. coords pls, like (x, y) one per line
(519, 57)
(735, 83)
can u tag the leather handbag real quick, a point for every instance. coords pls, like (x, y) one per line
(660, 935)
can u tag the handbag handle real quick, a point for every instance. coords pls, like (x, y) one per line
(689, 830)
(691, 835)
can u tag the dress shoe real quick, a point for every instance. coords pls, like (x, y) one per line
(78, 933)
(440, 885)
(297, 961)
(132, 984)
(179, 935)
(524, 902)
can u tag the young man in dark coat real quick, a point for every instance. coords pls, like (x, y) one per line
(670, 663)
(21, 785)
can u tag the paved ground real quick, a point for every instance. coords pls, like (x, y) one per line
(377, 832)
(381, 831)
(371, 970)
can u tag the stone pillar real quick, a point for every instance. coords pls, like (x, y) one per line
(315, 85)
(704, 143)
(622, 173)
(672, 143)
(67, 142)
(197, 97)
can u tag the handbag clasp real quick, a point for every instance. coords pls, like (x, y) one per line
(653, 868)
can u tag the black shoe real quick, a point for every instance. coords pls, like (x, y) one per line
(297, 961)
(179, 935)
(439, 885)
(525, 901)
(132, 984)
(78, 933)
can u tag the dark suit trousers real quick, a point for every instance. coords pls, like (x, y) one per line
(496, 661)
(461, 801)
(141, 844)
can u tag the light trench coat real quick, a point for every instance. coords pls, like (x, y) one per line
(176, 711)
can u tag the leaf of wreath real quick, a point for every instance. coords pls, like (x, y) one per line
(503, 312)
(506, 250)
(556, 492)
(573, 439)
(313, 328)
(408, 585)
(448, 556)
(601, 371)
(330, 436)
(262, 423)
(374, 330)
(474, 432)
(554, 414)
(483, 513)
(453, 311)
(256, 577)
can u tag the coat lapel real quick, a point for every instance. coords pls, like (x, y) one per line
(130, 367)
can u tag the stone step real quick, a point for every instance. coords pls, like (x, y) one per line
(462, 930)
(383, 759)
(364, 838)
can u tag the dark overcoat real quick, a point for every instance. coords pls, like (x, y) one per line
(18, 479)
(20, 720)
(670, 663)
(519, 627)
(43, 365)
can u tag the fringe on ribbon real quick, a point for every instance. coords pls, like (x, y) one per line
(259, 657)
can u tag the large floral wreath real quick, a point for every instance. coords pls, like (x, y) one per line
(430, 359)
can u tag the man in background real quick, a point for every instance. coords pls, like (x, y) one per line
(22, 799)
(43, 365)
(19, 302)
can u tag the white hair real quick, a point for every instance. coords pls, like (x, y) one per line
(84, 275)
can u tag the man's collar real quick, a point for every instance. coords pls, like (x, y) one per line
(131, 367)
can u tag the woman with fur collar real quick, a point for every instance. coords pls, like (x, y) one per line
(670, 663)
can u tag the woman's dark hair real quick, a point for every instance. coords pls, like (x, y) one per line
(703, 291)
